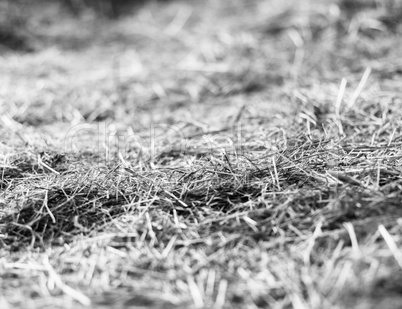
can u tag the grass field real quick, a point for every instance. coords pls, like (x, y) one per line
(210, 154)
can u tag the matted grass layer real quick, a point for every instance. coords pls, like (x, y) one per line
(226, 154)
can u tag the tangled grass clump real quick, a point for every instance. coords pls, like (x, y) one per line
(59, 214)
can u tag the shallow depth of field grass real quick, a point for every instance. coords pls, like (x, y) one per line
(223, 154)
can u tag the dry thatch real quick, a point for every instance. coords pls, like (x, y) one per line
(229, 155)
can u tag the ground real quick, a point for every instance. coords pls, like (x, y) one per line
(231, 154)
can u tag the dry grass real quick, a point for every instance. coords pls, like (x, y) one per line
(230, 155)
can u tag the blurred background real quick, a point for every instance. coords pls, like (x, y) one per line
(192, 63)
(17, 16)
